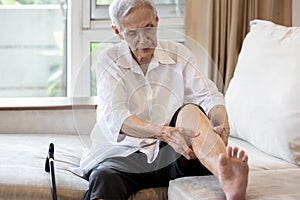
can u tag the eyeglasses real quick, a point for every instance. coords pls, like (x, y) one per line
(132, 34)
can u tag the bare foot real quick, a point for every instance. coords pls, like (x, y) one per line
(233, 173)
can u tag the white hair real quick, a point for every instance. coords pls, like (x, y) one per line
(121, 8)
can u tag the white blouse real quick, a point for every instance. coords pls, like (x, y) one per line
(172, 79)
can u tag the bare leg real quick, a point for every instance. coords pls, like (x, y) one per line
(208, 145)
(211, 152)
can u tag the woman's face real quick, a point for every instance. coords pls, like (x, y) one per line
(139, 31)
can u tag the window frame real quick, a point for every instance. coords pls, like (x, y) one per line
(83, 30)
(100, 12)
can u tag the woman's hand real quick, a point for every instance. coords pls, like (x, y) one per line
(223, 131)
(219, 119)
(179, 139)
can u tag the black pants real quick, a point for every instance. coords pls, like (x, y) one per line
(119, 177)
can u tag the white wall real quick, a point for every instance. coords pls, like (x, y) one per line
(296, 12)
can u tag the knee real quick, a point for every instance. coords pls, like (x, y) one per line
(191, 115)
(107, 183)
(193, 109)
(99, 175)
(103, 177)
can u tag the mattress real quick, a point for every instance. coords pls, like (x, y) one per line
(269, 178)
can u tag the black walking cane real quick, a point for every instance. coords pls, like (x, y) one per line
(49, 167)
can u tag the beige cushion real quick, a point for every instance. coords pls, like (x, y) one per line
(151, 194)
(22, 164)
(262, 185)
(263, 98)
(259, 160)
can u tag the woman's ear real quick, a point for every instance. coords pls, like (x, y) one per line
(117, 32)
(156, 20)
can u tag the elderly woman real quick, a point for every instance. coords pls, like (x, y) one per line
(158, 117)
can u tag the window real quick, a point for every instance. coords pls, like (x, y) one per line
(166, 8)
(40, 58)
(97, 29)
(95, 47)
(32, 48)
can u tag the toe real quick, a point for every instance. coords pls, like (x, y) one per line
(241, 154)
(229, 151)
(235, 151)
(245, 158)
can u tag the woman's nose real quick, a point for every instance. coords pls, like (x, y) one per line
(142, 37)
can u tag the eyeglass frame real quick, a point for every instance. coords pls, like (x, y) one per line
(131, 34)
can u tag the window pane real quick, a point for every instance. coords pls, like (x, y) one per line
(95, 47)
(103, 2)
(107, 2)
(165, 1)
(32, 48)
(166, 8)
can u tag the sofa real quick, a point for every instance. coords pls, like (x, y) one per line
(263, 102)
(25, 134)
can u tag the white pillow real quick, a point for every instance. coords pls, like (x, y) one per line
(263, 98)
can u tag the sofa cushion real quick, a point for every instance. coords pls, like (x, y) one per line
(259, 160)
(263, 98)
(262, 185)
(22, 168)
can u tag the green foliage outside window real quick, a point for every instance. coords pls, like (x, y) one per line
(103, 2)
(95, 49)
